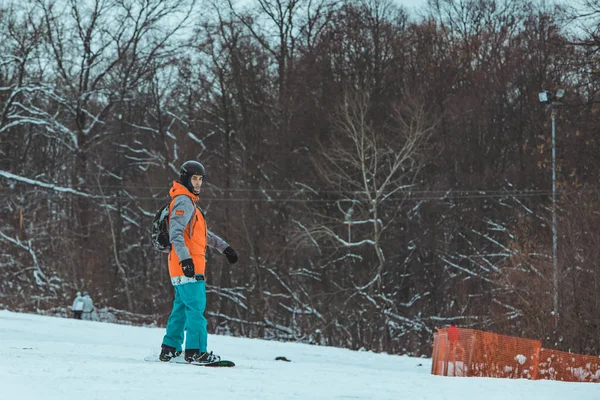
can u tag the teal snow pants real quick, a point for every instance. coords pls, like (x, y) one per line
(188, 315)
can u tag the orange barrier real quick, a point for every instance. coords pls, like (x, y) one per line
(562, 366)
(469, 352)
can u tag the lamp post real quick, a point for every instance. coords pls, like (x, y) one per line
(552, 100)
(349, 222)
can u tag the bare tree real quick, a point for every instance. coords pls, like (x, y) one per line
(72, 64)
(368, 170)
(371, 170)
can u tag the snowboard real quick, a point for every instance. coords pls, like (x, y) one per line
(220, 363)
(181, 360)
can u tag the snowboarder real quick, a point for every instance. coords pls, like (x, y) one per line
(189, 237)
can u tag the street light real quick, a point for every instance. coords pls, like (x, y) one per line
(552, 100)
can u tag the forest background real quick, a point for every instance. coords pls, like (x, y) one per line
(380, 174)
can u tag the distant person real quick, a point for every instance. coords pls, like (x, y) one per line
(77, 307)
(457, 351)
(189, 238)
(453, 334)
(88, 306)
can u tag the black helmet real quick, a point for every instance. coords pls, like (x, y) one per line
(189, 169)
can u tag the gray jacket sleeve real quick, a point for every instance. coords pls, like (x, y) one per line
(181, 214)
(216, 242)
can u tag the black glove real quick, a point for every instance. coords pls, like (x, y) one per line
(231, 255)
(187, 266)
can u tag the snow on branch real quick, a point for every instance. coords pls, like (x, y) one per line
(233, 295)
(465, 270)
(294, 295)
(8, 175)
(38, 274)
(406, 321)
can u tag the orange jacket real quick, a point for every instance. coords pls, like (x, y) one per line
(194, 235)
(453, 334)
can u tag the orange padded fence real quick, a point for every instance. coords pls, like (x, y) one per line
(469, 352)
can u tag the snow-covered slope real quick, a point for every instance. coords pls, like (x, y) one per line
(46, 358)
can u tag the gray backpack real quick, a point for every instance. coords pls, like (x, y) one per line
(160, 229)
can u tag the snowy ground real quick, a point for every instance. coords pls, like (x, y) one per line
(47, 358)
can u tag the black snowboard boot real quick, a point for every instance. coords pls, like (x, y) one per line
(168, 352)
(194, 355)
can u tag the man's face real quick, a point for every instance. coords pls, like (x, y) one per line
(196, 183)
